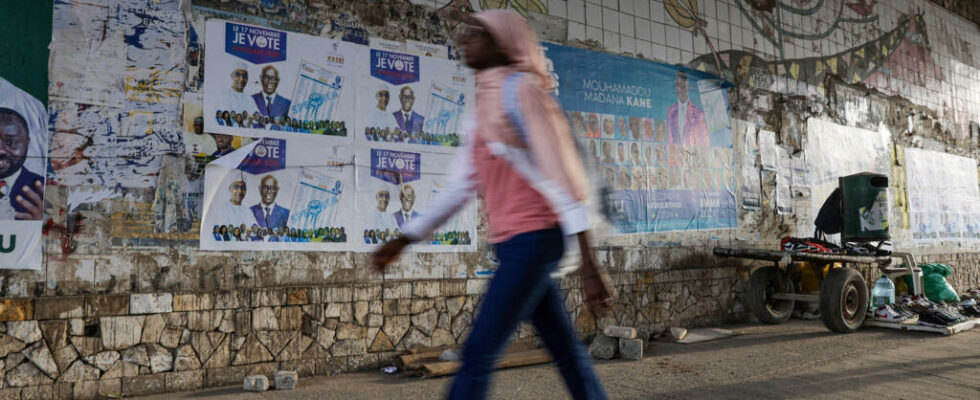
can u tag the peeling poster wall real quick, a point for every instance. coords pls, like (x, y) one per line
(120, 72)
(123, 282)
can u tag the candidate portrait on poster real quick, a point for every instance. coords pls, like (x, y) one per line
(264, 82)
(23, 166)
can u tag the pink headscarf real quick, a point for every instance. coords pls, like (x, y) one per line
(517, 41)
(554, 148)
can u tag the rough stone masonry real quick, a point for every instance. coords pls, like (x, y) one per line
(115, 315)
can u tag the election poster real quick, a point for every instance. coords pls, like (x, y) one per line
(395, 186)
(23, 166)
(264, 82)
(427, 49)
(276, 194)
(412, 101)
(660, 135)
(944, 201)
(203, 146)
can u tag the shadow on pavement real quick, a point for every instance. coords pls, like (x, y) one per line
(834, 383)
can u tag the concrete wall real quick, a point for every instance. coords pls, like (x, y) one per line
(110, 313)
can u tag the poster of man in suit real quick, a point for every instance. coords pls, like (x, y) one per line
(279, 194)
(394, 187)
(663, 132)
(413, 102)
(263, 82)
(407, 119)
(269, 214)
(23, 152)
(268, 101)
(685, 120)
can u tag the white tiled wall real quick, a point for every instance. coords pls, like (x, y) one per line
(644, 27)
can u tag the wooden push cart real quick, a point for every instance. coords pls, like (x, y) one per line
(771, 294)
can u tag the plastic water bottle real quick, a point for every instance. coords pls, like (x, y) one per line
(883, 292)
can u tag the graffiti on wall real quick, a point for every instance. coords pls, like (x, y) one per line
(904, 53)
(772, 26)
(521, 6)
(685, 13)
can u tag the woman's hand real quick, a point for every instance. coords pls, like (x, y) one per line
(388, 253)
(595, 283)
(597, 291)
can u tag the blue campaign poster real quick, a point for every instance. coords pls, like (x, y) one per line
(660, 135)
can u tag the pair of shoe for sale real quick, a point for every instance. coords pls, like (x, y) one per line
(972, 310)
(936, 318)
(888, 313)
(904, 308)
(931, 314)
(971, 294)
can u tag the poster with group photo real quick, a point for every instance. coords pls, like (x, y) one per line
(23, 165)
(396, 186)
(264, 82)
(201, 145)
(413, 101)
(660, 137)
(277, 194)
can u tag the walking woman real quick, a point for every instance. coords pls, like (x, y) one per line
(519, 155)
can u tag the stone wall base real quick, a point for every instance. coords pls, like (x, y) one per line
(134, 344)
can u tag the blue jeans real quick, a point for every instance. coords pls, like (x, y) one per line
(522, 289)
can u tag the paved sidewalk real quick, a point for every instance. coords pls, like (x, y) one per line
(798, 359)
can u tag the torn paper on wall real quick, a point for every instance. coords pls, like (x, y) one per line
(900, 199)
(83, 144)
(767, 150)
(155, 50)
(88, 53)
(784, 179)
(944, 201)
(98, 145)
(749, 171)
(801, 181)
(194, 67)
(146, 134)
(174, 214)
(88, 195)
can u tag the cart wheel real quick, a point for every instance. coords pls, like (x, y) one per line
(843, 300)
(764, 283)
